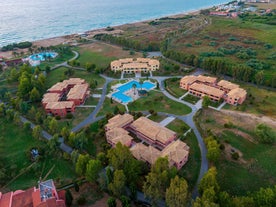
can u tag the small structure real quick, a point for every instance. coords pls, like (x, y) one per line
(45, 195)
(64, 96)
(208, 86)
(132, 65)
(160, 139)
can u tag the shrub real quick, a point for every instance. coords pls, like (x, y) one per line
(81, 200)
(69, 116)
(58, 117)
(27, 125)
(235, 156)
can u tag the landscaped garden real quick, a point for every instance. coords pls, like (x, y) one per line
(173, 87)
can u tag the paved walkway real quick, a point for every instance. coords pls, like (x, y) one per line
(186, 94)
(166, 121)
(96, 95)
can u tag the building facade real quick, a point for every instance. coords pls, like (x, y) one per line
(133, 65)
(160, 140)
(208, 86)
(63, 97)
(45, 195)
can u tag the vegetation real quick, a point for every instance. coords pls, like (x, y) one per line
(20, 45)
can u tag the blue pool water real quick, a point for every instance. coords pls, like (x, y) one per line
(119, 95)
(41, 56)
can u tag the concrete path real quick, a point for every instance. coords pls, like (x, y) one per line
(46, 135)
(96, 95)
(86, 106)
(183, 95)
(166, 121)
(219, 107)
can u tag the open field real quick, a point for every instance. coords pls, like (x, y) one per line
(14, 148)
(254, 167)
(259, 101)
(59, 59)
(101, 54)
(58, 75)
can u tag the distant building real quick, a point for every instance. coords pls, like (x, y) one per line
(258, 1)
(45, 195)
(160, 140)
(208, 86)
(64, 96)
(133, 65)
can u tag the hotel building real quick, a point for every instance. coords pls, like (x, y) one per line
(208, 86)
(160, 140)
(63, 97)
(133, 65)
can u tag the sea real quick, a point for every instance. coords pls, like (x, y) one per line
(29, 20)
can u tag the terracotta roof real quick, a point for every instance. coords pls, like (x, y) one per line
(119, 121)
(176, 151)
(146, 153)
(60, 105)
(207, 89)
(74, 81)
(5, 199)
(23, 199)
(58, 87)
(116, 132)
(152, 130)
(228, 85)
(124, 139)
(50, 97)
(237, 93)
(79, 91)
(134, 63)
(189, 79)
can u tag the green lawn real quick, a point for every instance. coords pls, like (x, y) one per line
(178, 126)
(108, 107)
(58, 75)
(157, 118)
(237, 178)
(191, 99)
(172, 86)
(190, 170)
(258, 101)
(164, 104)
(15, 144)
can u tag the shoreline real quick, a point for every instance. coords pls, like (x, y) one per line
(63, 39)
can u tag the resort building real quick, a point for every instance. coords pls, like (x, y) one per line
(133, 65)
(43, 196)
(152, 132)
(63, 97)
(208, 86)
(160, 140)
(119, 121)
(116, 135)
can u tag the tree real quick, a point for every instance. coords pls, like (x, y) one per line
(259, 77)
(209, 180)
(265, 134)
(53, 125)
(111, 202)
(68, 198)
(125, 201)
(92, 170)
(76, 186)
(176, 194)
(81, 164)
(118, 184)
(265, 197)
(34, 95)
(206, 101)
(212, 148)
(53, 144)
(37, 130)
(65, 133)
(119, 156)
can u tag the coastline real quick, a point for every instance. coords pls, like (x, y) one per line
(63, 39)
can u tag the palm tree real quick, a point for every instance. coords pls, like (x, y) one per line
(134, 88)
(141, 83)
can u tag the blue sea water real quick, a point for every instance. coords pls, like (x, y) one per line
(22, 20)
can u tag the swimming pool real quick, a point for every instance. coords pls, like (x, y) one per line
(42, 56)
(123, 98)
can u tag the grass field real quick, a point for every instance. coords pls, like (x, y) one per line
(172, 86)
(254, 169)
(164, 104)
(15, 144)
(101, 54)
(259, 101)
(58, 75)
(56, 61)
(191, 99)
